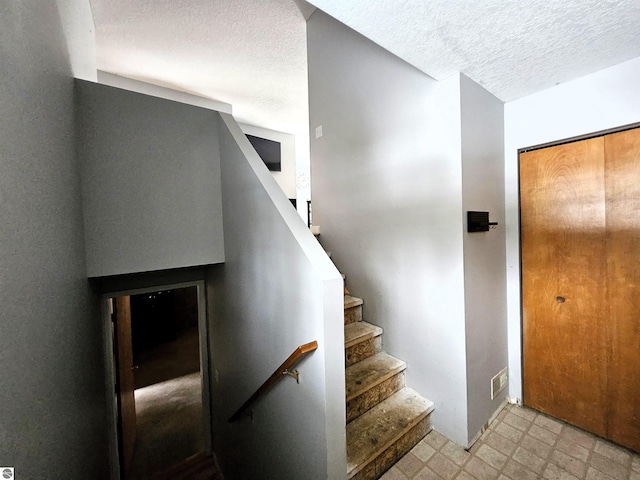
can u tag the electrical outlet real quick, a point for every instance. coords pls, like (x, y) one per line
(499, 382)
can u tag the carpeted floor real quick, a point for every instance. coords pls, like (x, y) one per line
(169, 417)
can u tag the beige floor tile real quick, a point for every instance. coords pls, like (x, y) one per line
(572, 448)
(423, 450)
(443, 466)
(517, 422)
(578, 436)
(608, 466)
(528, 459)
(491, 456)
(455, 453)
(502, 413)
(593, 474)
(427, 474)
(500, 443)
(465, 476)
(615, 453)
(542, 434)
(516, 471)
(410, 465)
(480, 470)
(546, 449)
(535, 446)
(435, 439)
(553, 472)
(525, 413)
(570, 464)
(509, 432)
(549, 423)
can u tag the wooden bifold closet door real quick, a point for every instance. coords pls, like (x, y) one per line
(580, 234)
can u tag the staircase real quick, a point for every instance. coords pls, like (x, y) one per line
(385, 418)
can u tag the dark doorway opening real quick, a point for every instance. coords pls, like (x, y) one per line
(167, 378)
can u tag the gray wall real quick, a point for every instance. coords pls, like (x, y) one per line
(52, 401)
(276, 290)
(150, 181)
(387, 195)
(484, 253)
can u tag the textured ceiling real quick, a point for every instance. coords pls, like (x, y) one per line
(252, 53)
(511, 47)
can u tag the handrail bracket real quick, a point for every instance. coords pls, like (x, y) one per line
(248, 413)
(280, 371)
(295, 374)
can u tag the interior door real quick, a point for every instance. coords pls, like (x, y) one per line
(125, 382)
(580, 207)
(563, 280)
(622, 156)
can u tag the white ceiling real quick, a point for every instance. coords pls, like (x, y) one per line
(252, 53)
(249, 53)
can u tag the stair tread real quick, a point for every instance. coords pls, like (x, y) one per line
(379, 428)
(359, 331)
(350, 301)
(369, 372)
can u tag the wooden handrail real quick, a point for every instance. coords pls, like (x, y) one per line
(297, 354)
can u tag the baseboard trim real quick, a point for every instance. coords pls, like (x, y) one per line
(489, 422)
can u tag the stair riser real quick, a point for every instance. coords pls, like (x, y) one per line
(353, 314)
(383, 462)
(372, 397)
(362, 350)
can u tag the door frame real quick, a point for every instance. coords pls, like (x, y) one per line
(110, 367)
(577, 138)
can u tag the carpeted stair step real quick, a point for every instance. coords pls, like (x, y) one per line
(380, 437)
(352, 309)
(361, 340)
(371, 381)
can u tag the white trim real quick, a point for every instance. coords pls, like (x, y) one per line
(112, 407)
(205, 375)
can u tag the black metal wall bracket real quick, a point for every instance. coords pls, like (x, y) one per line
(479, 222)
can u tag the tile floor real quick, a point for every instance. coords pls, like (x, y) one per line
(521, 444)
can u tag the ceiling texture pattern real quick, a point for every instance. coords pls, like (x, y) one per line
(512, 48)
(252, 53)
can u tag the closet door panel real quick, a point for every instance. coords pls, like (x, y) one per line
(622, 161)
(564, 282)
